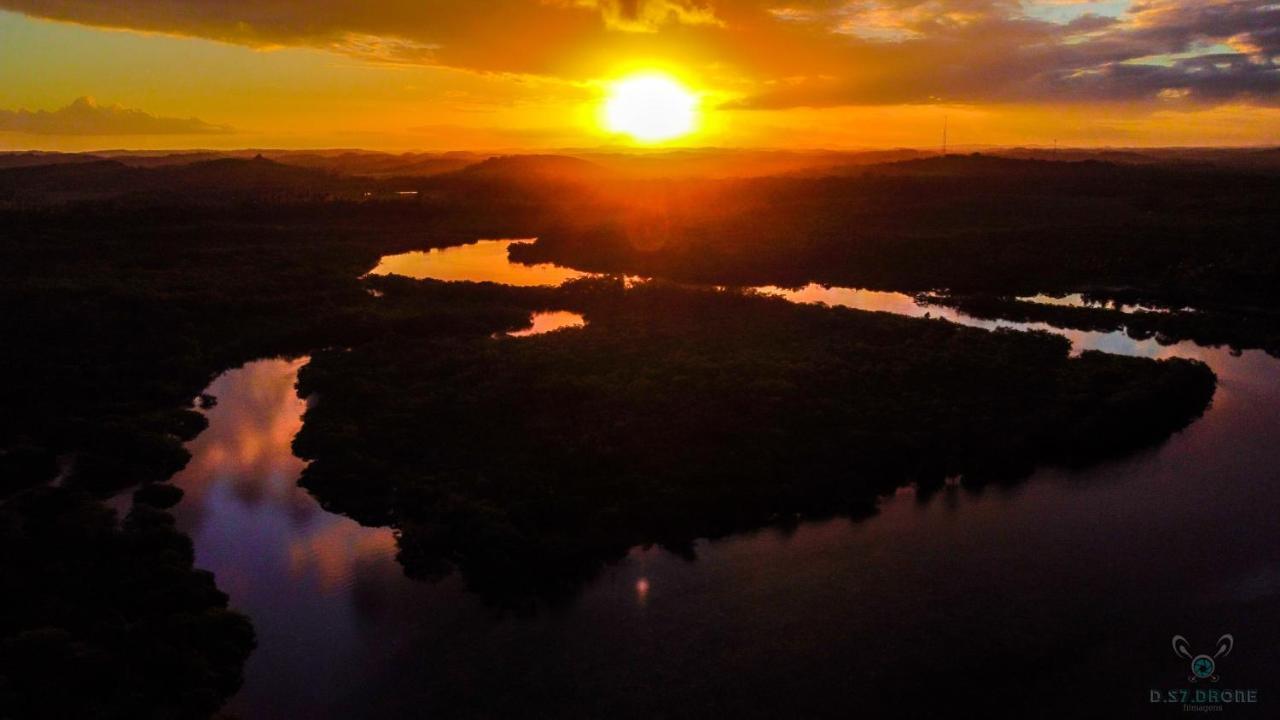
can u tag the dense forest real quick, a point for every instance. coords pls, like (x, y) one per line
(106, 620)
(675, 413)
(1180, 236)
(1239, 330)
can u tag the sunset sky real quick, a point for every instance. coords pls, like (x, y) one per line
(534, 74)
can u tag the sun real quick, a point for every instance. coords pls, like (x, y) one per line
(650, 107)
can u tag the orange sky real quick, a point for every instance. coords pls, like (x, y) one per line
(532, 74)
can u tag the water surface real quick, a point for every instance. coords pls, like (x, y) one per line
(291, 566)
(1079, 578)
(549, 321)
(1077, 300)
(488, 261)
(480, 261)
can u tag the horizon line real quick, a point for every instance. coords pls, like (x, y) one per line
(627, 150)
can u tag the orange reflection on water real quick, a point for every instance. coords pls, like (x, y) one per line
(243, 500)
(487, 260)
(545, 322)
(308, 578)
(642, 590)
(481, 261)
(247, 443)
(858, 299)
(331, 554)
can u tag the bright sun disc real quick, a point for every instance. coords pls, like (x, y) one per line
(650, 108)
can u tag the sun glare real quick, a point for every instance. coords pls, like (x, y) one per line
(650, 108)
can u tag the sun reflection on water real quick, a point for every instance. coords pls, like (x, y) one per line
(545, 322)
(481, 261)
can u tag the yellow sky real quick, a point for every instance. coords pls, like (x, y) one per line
(532, 74)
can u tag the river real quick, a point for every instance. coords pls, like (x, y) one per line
(1101, 565)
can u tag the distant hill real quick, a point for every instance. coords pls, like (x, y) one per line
(1076, 155)
(32, 159)
(185, 158)
(380, 165)
(994, 167)
(196, 181)
(736, 163)
(538, 167)
(234, 175)
(974, 163)
(41, 178)
(1081, 167)
(91, 176)
(710, 162)
(1257, 159)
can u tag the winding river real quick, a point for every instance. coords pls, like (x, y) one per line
(1106, 562)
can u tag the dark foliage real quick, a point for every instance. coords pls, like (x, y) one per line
(1184, 235)
(111, 622)
(1257, 329)
(677, 414)
(158, 495)
(113, 322)
(529, 462)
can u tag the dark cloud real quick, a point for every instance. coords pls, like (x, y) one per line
(85, 117)
(1187, 51)
(779, 53)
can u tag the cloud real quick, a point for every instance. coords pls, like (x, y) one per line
(779, 53)
(491, 35)
(1195, 52)
(650, 15)
(85, 117)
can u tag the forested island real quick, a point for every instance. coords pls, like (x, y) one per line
(677, 414)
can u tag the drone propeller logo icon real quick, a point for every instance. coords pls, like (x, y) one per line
(1203, 666)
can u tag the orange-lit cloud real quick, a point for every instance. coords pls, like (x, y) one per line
(780, 53)
(85, 117)
(524, 74)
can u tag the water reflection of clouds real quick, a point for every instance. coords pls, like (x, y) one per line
(856, 298)
(1077, 300)
(246, 448)
(902, 304)
(244, 473)
(329, 555)
(297, 570)
(339, 623)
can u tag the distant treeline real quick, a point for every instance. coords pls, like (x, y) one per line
(1181, 236)
(1181, 233)
(1256, 329)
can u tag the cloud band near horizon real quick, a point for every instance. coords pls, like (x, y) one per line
(780, 54)
(84, 116)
